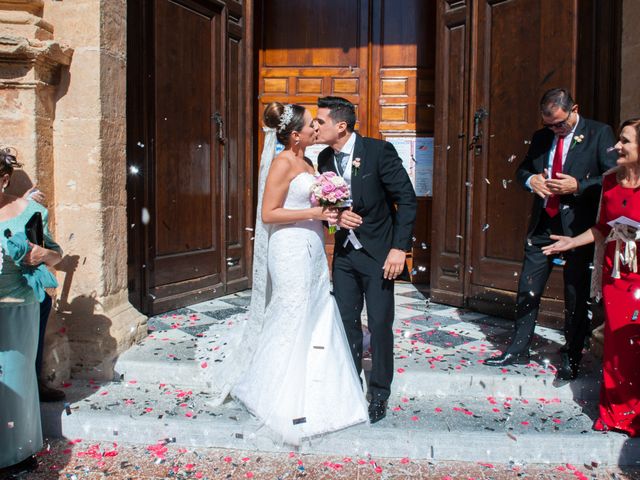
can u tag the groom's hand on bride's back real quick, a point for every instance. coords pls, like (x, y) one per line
(349, 220)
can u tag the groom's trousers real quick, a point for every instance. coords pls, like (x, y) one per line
(356, 277)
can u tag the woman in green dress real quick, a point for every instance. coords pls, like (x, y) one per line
(20, 428)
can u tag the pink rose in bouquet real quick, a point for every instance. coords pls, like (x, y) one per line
(330, 190)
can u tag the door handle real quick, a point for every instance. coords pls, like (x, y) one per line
(233, 261)
(217, 118)
(476, 140)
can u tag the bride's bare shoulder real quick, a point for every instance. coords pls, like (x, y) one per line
(281, 164)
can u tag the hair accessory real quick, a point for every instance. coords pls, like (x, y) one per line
(8, 155)
(285, 118)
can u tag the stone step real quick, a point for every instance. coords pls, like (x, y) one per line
(479, 429)
(179, 358)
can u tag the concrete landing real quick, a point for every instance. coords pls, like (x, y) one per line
(445, 405)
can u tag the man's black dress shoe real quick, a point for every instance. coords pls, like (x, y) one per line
(48, 394)
(568, 369)
(377, 410)
(508, 359)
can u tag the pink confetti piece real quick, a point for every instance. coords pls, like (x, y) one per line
(414, 418)
(438, 409)
(400, 370)
(204, 365)
(228, 459)
(525, 423)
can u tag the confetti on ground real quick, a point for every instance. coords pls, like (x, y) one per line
(87, 460)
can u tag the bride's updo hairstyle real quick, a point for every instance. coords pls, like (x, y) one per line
(285, 119)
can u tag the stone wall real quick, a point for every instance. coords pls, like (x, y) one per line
(32, 65)
(66, 117)
(90, 202)
(630, 72)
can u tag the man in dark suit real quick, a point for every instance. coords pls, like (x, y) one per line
(563, 169)
(374, 236)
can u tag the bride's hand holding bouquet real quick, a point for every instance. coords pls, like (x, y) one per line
(331, 192)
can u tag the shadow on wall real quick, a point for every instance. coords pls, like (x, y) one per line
(94, 350)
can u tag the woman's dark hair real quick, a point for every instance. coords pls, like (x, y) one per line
(286, 119)
(340, 110)
(8, 161)
(556, 98)
(635, 123)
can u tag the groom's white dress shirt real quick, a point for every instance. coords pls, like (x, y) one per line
(347, 148)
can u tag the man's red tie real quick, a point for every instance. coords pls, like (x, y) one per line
(553, 202)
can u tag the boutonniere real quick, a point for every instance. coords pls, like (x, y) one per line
(355, 166)
(577, 139)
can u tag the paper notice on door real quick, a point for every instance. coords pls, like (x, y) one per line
(423, 181)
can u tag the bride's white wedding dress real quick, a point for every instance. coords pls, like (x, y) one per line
(301, 380)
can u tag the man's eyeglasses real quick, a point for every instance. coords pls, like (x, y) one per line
(562, 124)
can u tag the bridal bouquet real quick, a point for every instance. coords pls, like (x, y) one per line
(330, 190)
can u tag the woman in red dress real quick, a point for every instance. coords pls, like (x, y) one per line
(620, 392)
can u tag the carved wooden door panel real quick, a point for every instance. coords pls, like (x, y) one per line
(450, 200)
(516, 58)
(187, 144)
(490, 76)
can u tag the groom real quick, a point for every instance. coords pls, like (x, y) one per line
(374, 236)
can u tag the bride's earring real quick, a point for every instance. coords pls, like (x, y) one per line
(297, 142)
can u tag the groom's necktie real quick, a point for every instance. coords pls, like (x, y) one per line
(341, 161)
(553, 202)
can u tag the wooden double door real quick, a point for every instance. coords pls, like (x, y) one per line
(379, 54)
(495, 58)
(189, 151)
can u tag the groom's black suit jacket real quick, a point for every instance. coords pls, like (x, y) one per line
(382, 195)
(586, 161)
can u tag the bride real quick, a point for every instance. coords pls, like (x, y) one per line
(294, 369)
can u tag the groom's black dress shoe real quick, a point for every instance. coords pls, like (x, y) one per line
(377, 410)
(568, 369)
(508, 359)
